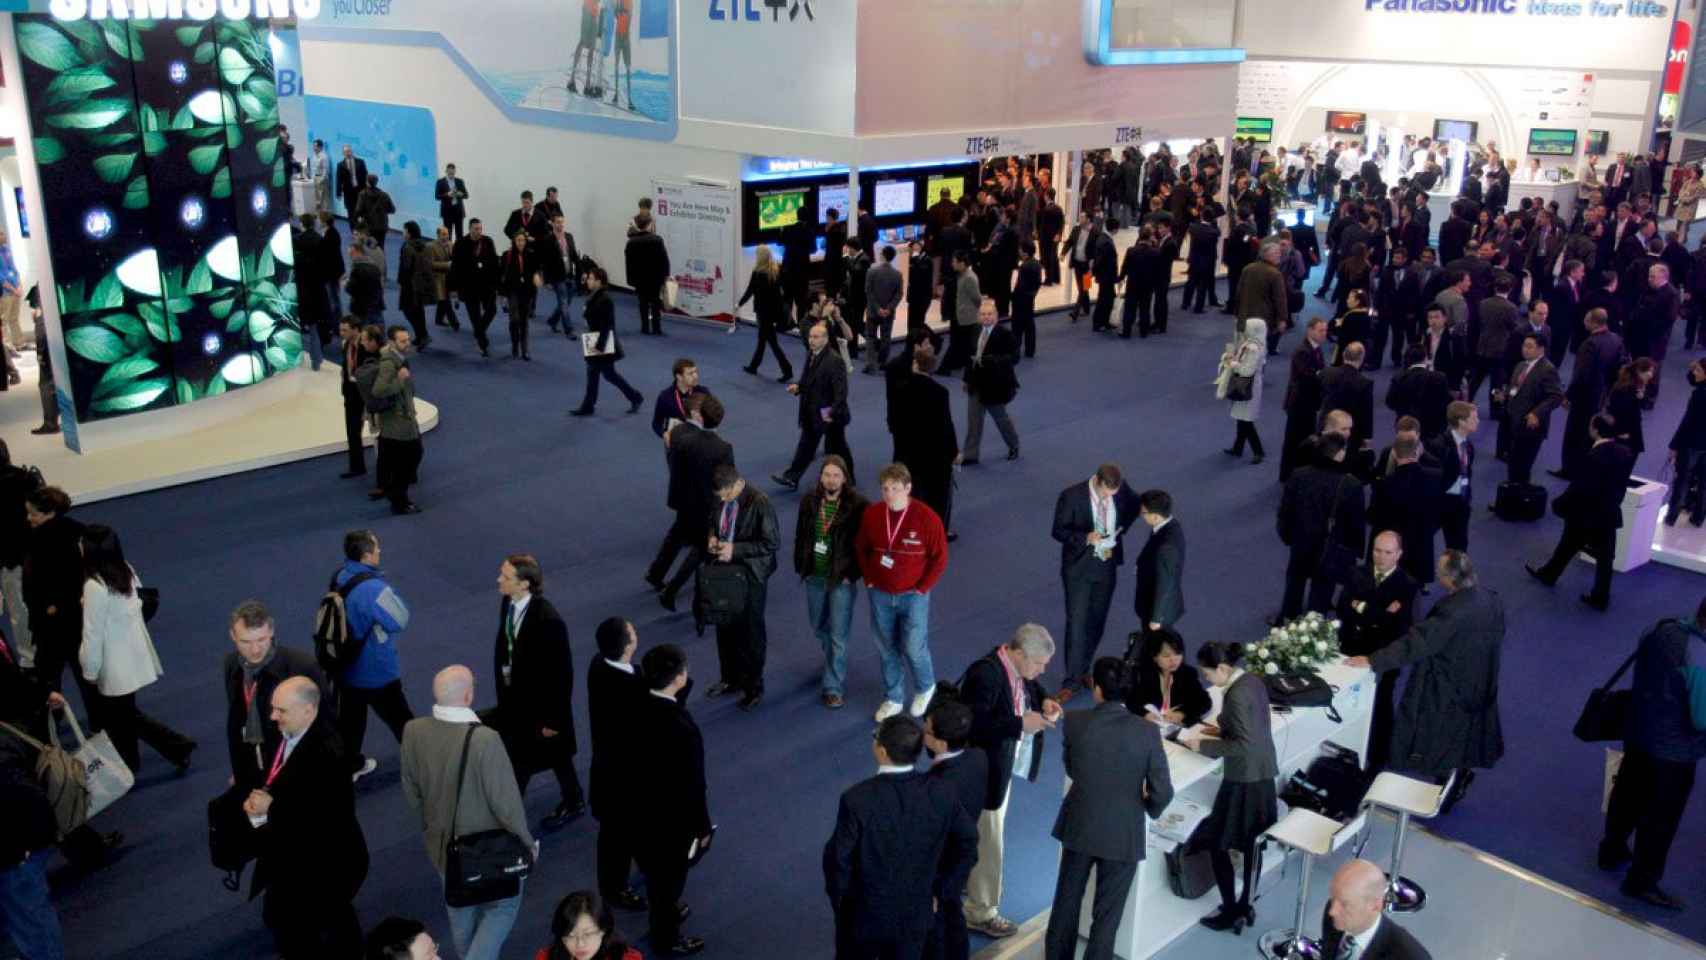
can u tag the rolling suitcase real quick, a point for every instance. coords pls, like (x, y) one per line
(1520, 502)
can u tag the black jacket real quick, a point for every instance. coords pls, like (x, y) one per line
(552, 264)
(1398, 300)
(995, 728)
(1594, 498)
(900, 839)
(755, 536)
(1303, 389)
(1119, 772)
(330, 262)
(1349, 389)
(966, 776)
(613, 705)
(671, 405)
(648, 262)
(693, 453)
(1075, 518)
(1660, 723)
(1160, 596)
(600, 315)
(1451, 466)
(1691, 432)
(1187, 695)
(474, 267)
(348, 186)
(534, 222)
(1421, 393)
(1540, 394)
(1391, 942)
(1407, 501)
(312, 844)
(1307, 509)
(921, 420)
(1368, 622)
(666, 794)
(451, 207)
(16, 483)
(993, 378)
(843, 562)
(1448, 718)
(766, 295)
(247, 767)
(540, 685)
(53, 577)
(823, 386)
(1597, 361)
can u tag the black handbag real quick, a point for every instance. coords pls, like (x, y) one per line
(150, 597)
(229, 837)
(1287, 691)
(1190, 872)
(720, 593)
(485, 866)
(1240, 388)
(1606, 714)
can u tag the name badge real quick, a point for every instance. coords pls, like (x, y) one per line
(887, 561)
(821, 547)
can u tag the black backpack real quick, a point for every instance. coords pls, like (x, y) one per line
(334, 646)
(1332, 785)
(1288, 691)
(229, 845)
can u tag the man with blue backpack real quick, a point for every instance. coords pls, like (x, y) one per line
(355, 639)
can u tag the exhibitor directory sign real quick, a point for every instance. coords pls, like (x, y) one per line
(606, 66)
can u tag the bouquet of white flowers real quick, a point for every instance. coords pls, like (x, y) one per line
(1297, 647)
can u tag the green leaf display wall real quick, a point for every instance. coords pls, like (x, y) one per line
(167, 207)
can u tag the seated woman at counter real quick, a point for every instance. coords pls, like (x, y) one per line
(1247, 802)
(1160, 691)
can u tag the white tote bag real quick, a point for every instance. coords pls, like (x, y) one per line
(108, 776)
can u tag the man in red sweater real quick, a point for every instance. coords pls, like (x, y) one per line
(902, 552)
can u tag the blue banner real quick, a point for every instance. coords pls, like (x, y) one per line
(399, 144)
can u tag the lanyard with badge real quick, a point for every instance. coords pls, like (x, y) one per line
(1101, 510)
(893, 531)
(509, 638)
(821, 546)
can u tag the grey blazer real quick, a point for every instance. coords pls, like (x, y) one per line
(1111, 754)
(1246, 733)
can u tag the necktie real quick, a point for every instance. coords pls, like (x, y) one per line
(1348, 949)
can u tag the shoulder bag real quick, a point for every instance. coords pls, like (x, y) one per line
(485, 866)
(1606, 714)
(1239, 387)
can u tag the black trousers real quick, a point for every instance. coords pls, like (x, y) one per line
(1087, 600)
(615, 857)
(49, 402)
(388, 702)
(1524, 450)
(605, 368)
(1024, 324)
(1246, 430)
(1299, 424)
(446, 315)
(834, 437)
(936, 489)
(1647, 799)
(563, 766)
(767, 338)
(482, 310)
(1113, 884)
(1600, 543)
(917, 312)
(742, 646)
(1489, 369)
(1454, 521)
(1380, 726)
(683, 534)
(1103, 317)
(948, 939)
(125, 725)
(520, 308)
(415, 312)
(398, 467)
(55, 650)
(1199, 286)
(1134, 311)
(1302, 569)
(651, 311)
(311, 924)
(1159, 310)
(1081, 305)
(1401, 332)
(354, 414)
(962, 340)
(664, 863)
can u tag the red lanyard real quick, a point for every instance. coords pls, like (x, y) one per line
(897, 528)
(679, 406)
(277, 764)
(1016, 682)
(248, 694)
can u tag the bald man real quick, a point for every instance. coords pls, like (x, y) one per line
(1354, 927)
(450, 754)
(311, 857)
(1376, 607)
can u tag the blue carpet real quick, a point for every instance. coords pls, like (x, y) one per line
(508, 471)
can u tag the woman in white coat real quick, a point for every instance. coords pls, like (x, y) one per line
(117, 656)
(1244, 357)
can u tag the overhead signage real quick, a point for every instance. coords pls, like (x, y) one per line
(1586, 9)
(753, 10)
(181, 9)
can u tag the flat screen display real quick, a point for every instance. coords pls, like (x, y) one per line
(23, 215)
(1455, 130)
(1599, 142)
(833, 196)
(1552, 143)
(1259, 129)
(1342, 121)
(956, 187)
(894, 197)
(780, 208)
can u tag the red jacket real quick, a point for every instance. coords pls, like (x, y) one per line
(919, 550)
(630, 954)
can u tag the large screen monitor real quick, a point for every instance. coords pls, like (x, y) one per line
(1257, 129)
(780, 208)
(833, 196)
(1344, 121)
(894, 197)
(1551, 143)
(955, 185)
(1455, 130)
(1598, 145)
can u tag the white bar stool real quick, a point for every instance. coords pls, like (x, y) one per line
(1407, 798)
(1311, 835)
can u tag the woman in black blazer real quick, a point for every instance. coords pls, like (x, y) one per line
(1353, 326)
(1176, 695)
(601, 320)
(1625, 400)
(1247, 803)
(764, 289)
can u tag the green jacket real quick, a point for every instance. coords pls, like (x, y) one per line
(396, 422)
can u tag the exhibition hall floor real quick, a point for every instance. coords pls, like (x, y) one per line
(509, 471)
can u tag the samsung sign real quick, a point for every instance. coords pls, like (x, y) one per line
(1603, 9)
(181, 9)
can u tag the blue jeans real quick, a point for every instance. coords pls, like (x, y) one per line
(479, 931)
(565, 294)
(831, 613)
(902, 625)
(311, 340)
(26, 913)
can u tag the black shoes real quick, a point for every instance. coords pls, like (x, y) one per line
(564, 814)
(1258, 458)
(685, 947)
(181, 763)
(352, 474)
(1234, 919)
(629, 899)
(376, 494)
(580, 412)
(1013, 454)
(751, 370)
(656, 583)
(1598, 603)
(786, 377)
(1610, 859)
(45, 430)
(1655, 897)
(716, 690)
(1537, 574)
(406, 509)
(666, 599)
(634, 406)
(750, 702)
(783, 480)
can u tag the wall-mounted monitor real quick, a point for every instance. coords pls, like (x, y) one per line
(1258, 129)
(1344, 121)
(1551, 143)
(780, 208)
(956, 187)
(23, 214)
(833, 196)
(1455, 130)
(1599, 143)
(894, 197)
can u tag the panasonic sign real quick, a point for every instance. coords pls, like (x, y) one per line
(181, 9)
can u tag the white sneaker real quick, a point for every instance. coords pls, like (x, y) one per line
(887, 710)
(921, 702)
(367, 767)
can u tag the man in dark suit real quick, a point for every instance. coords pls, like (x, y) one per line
(1090, 523)
(1396, 303)
(1535, 391)
(664, 789)
(1355, 924)
(311, 855)
(528, 218)
(1592, 508)
(647, 260)
(1419, 391)
(1345, 387)
(1305, 241)
(823, 410)
(1376, 607)
(1456, 454)
(351, 180)
(1160, 597)
(1598, 359)
(1118, 770)
(1303, 395)
(452, 194)
(743, 531)
(535, 674)
(695, 452)
(1321, 504)
(1200, 262)
(1454, 235)
(900, 838)
(921, 423)
(1105, 269)
(990, 383)
(615, 695)
(253, 670)
(1498, 317)
(1405, 498)
(474, 274)
(1565, 308)
(963, 771)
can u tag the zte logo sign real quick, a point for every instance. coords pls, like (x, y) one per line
(738, 10)
(181, 9)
